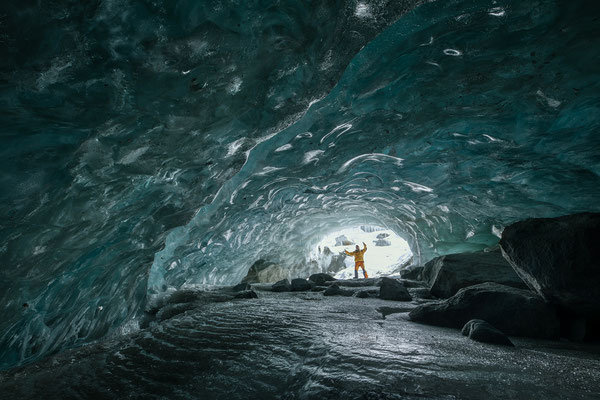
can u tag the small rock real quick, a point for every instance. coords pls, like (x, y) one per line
(382, 242)
(300, 285)
(357, 282)
(281, 286)
(241, 287)
(335, 290)
(320, 279)
(385, 311)
(382, 235)
(391, 289)
(482, 331)
(246, 294)
(363, 294)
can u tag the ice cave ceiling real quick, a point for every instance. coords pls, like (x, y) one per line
(150, 144)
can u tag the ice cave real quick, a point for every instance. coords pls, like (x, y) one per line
(188, 189)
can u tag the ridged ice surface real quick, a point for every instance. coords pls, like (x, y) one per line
(150, 145)
(307, 346)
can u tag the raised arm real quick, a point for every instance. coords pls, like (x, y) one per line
(364, 248)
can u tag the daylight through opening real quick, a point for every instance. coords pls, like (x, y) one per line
(387, 253)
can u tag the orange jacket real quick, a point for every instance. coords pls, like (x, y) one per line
(358, 254)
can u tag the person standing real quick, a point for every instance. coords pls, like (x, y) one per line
(359, 260)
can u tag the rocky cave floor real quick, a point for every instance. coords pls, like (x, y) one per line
(297, 345)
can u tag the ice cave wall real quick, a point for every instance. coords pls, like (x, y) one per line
(155, 144)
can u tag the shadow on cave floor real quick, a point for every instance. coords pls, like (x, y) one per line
(304, 345)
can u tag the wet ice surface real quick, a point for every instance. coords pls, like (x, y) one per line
(305, 345)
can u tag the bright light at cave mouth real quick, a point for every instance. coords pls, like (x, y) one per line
(387, 253)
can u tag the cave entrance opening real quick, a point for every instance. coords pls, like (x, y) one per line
(387, 252)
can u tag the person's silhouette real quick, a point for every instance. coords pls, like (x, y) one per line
(359, 260)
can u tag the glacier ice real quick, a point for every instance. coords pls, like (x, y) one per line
(153, 145)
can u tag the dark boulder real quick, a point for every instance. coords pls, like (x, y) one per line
(366, 293)
(420, 293)
(301, 285)
(515, 312)
(391, 289)
(413, 272)
(447, 274)
(240, 287)
(482, 331)
(184, 296)
(171, 310)
(320, 279)
(281, 286)
(335, 290)
(409, 283)
(246, 294)
(357, 282)
(559, 258)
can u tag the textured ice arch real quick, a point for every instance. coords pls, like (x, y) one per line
(144, 149)
(391, 146)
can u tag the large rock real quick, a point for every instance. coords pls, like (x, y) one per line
(559, 258)
(337, 263)
(409, 283)
(515, 312)
(391, 289)
(320, 279)
(342, 240)
(482, 331)
(301, 285)
(382, 242)
(281, 286)
(263, 271)
(414, 272)
(447, 274)
(420, 293)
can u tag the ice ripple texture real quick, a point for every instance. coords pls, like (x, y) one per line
(306, 347)
(156, 145)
